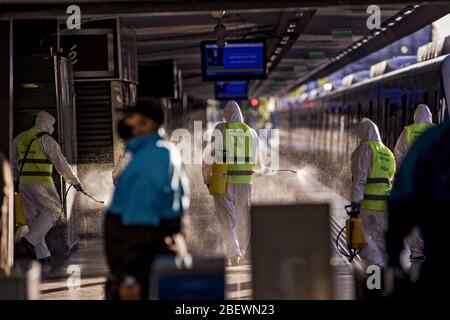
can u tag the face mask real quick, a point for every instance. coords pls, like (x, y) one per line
(125, 132)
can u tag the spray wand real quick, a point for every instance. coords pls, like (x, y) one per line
(286, 170)
(85, 193)
(88, 195)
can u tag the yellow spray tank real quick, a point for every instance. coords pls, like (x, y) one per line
(354, 235)
(19, 212)
(218, 181)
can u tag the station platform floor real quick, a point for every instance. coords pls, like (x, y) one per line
(89, 258)
(280, 188)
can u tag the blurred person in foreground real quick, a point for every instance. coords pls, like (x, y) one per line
(421, 198)
(422, 123)
(151, 198)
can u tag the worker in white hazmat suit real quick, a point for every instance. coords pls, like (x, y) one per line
(422, 122)
(36, 152)
(233, 208)
(373, 168)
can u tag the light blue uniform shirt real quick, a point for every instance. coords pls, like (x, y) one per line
(154, 185)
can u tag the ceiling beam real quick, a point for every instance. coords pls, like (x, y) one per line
(425, 15)
(179, 58)
(190, 29)
(45, 9)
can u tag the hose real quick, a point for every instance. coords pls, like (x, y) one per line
(83, 192)
(65, 196)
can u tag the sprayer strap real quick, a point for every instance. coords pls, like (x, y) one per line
(24, 160)
(375, 197)
(378, 180)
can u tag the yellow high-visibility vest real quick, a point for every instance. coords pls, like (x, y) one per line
(37, 167)
(238, 153)
(413, 131)
(379, 178)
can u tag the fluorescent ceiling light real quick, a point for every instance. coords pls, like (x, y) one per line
(328, 86)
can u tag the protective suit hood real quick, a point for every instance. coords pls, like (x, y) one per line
(367, 130)
(232, 112)
(45, 122)
(422, 114)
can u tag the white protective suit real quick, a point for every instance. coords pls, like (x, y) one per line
(422, 115)
(375, 223)
(41, 203)
(233, 208)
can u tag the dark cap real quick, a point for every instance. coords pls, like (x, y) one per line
(148, 107)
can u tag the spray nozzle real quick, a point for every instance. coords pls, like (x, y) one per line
(88, 195)
(352, 211)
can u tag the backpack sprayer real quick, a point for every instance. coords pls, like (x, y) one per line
(218, 182)
(19, 212)
(354, 235)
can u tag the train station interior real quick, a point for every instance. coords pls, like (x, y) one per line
(114, 116)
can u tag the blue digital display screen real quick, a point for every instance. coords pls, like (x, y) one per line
(195, 286)
(238, 60)
(231, 90)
